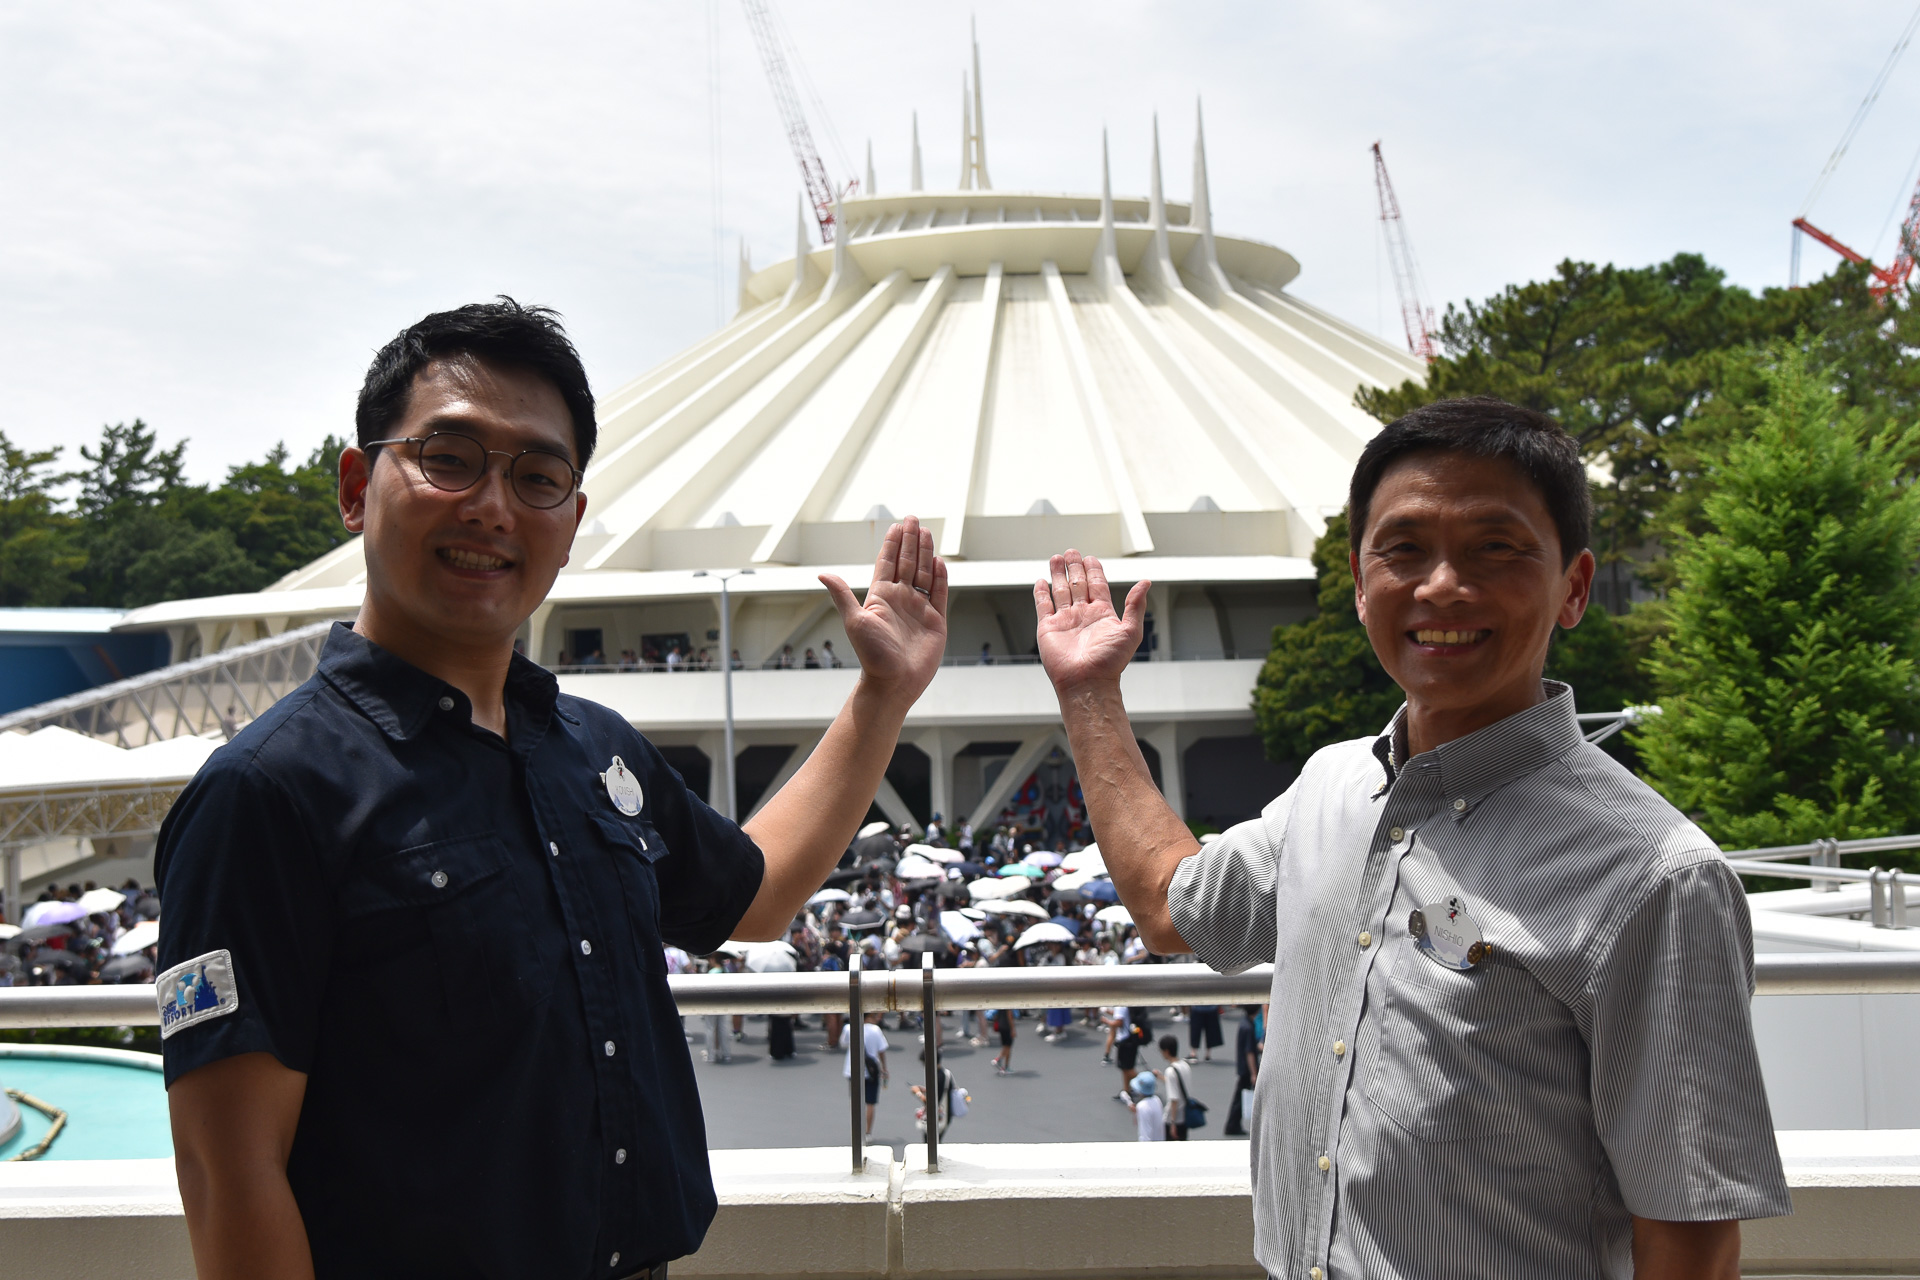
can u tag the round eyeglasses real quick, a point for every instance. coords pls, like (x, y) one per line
(448, 460)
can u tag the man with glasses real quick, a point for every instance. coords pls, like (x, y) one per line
(415, 1011)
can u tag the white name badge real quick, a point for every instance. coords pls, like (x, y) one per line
(623, 788)
(1445, 934)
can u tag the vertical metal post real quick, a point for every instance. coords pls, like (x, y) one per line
(1877, 885)
(1827, 856)
(1896, 901)
(730, 792)
(11, 856)
(857, 1061)
(930, 1027)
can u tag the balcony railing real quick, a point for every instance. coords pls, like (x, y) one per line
(929, 991)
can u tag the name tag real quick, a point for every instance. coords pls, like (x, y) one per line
(1445, 934)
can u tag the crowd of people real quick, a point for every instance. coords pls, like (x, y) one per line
(82, 934)
(996, 903)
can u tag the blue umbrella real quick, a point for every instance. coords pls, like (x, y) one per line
(1068, 922)
(1100, 891)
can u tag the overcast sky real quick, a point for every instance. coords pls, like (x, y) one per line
(212, 213)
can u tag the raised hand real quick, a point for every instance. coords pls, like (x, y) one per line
(899, 634)
(1082, 640)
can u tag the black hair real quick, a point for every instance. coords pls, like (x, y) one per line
(1485, 428)
(1170, 1046)
(501, 332)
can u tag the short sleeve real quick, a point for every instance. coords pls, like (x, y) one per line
(237, 874)
(713, 871)
(1678, 1097)
(1222, 898)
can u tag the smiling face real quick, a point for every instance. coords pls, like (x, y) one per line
(1459, 582)
(461, 569)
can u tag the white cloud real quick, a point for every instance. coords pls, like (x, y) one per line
(213, 213)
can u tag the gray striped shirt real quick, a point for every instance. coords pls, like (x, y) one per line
(1503, 1121)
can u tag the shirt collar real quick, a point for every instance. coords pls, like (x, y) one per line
(401, 699)
(1479, 764)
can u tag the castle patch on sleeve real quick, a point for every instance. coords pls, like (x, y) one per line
(200, 989)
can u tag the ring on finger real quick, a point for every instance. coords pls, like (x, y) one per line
(925, 592)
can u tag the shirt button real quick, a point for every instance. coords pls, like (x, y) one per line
(446, 703)
(609, 1048)
(439, 879)
(1366, 939)
(614, 1261)
(586, 948)
(1460, 805)
(620, 1156)
(1316, 1274)
(1339, 1048)
(553, 848)
(1325, 1164)
(1396, 833)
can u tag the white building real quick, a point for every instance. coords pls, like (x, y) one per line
(1025, 371)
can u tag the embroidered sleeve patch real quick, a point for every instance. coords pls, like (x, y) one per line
(196, 991)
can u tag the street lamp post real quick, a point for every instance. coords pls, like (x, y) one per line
(727, 791)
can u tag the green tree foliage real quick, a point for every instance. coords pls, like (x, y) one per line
(1321, 683)
(1787, 679)
(137, 532)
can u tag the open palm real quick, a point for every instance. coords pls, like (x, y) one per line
(899, 633)
(1082, 640)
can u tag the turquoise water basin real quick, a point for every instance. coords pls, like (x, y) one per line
(116, 1102)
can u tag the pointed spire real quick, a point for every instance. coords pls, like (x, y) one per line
(745, 272)
(871, 188)
(1159, 259)
(804, 273)
(1105, 269)
(847, 276)
(916, 182)
(1202, 261)
(966, 136)
(979, 116)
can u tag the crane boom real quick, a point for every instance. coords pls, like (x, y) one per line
(813, 171)
(1415, 314)
(1885, 279)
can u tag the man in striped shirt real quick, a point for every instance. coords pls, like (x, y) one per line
(1510, 1030)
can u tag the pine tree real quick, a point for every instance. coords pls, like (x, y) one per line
(1787, 680)
(1321, 684)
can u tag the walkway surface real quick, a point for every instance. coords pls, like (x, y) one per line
(1058, 1092)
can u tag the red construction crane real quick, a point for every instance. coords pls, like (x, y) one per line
(1885, 279)
(813, 171)
(1415, 314)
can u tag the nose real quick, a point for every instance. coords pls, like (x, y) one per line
(490, 499)
(1443, 583)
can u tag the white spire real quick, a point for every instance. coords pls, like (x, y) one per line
(872, 188)
(847, 276)
(916, 184)
(1106, 256)
(1159, 259)
(979, 116)
(1202, 262)
(804, 273)
(966, 136)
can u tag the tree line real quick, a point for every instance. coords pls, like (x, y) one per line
(126, 528)
(1753, 460)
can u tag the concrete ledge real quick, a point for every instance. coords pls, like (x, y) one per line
(993, 1212)
(1003, 1210)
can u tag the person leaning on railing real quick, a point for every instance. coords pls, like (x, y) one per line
(416, 1018)
(1509, 1032)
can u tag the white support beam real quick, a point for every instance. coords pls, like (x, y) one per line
(806, 501)
(817, 611)
(722, 453)
(984, 337)
(1164, 738)
(1134, 537)
(895, 808)
(934, 744)
(1033, 749)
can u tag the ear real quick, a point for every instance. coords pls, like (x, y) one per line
(1579, 584)
(356, 473)
(1359, 587)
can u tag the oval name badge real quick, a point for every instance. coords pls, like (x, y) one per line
(1445, 934)
(623, 788)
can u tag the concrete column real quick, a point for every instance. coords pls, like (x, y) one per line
(537, 632)
(1165, 739)
(713, 745)
(940, 760)
(15, 908)
(1160, 604)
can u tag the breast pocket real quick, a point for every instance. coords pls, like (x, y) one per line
(459, 896)
(635, 846)
(1453, 1062)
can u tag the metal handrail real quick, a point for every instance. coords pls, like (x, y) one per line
(1841, 973)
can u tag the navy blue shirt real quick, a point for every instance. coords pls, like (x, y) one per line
(459, 940)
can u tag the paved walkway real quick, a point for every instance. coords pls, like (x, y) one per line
(1057, 1092)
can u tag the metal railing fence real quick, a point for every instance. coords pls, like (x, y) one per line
(929, 991)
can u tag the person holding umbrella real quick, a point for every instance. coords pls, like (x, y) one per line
(429, 865)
